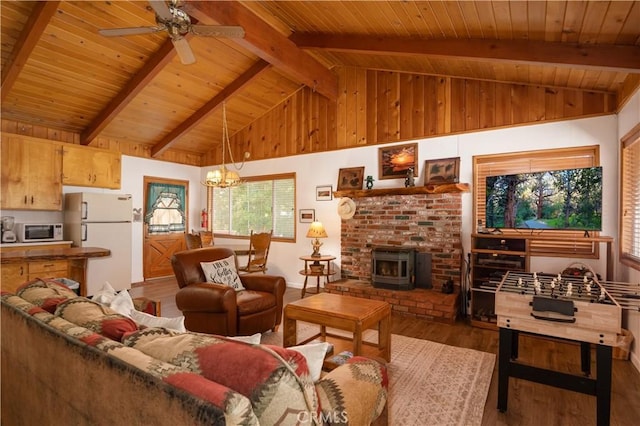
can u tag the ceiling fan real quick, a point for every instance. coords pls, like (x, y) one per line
(171, 18)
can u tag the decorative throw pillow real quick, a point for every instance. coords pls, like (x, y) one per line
(123, 304)
(175, 324)
(314, 354)
(222, 271)
(105, 295)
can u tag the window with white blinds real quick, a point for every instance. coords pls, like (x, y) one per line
(261, 203)
(554, 242)
(630, 199)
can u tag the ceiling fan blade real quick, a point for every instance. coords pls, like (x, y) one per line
(113, 32)
(161, 9)
(184, 50)
(218, 31)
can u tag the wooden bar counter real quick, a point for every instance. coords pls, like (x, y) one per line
(19, 266)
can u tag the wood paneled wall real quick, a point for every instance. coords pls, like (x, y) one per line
(374, 107)
(377, 107)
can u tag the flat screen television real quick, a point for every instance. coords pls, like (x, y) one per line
(569, 199)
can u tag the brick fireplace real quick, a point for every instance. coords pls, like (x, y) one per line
(411, 218)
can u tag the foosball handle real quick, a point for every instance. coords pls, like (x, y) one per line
(554, 319)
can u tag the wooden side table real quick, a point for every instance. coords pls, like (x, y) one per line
(315, 267)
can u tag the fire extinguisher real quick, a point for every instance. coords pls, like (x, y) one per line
(204, 219)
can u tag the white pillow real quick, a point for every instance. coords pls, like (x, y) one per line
(105, 295)
(314, 353)
(176, 324)
(222, 271)
(123, 304)
(254, 339)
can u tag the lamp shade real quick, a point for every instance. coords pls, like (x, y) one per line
(316, 230)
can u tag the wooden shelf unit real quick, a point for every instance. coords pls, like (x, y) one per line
(491, 257)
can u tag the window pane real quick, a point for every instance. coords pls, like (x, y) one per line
(259, 204)
(284, 211)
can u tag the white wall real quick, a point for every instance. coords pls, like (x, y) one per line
(627, 119)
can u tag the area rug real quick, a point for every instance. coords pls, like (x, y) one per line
(429, 383)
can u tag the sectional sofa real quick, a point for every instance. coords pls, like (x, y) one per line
(70, 360)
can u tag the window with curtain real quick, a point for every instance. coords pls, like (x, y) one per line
(165, 209)
(261, 203)
(559, 243)
(630, 199)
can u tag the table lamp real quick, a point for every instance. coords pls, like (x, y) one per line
(316, 230)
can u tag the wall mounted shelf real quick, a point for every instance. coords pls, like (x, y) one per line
(427, 189)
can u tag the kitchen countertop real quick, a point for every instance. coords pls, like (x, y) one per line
(53, 254)
(44, 243)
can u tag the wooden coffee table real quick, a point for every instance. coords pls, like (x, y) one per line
(351, 314)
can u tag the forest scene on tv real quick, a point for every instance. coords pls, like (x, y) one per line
(559, 199)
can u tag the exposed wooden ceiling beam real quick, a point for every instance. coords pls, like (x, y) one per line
(247, 77)
(29, 37)
(151, 68)
(605, 57)
(268, 44)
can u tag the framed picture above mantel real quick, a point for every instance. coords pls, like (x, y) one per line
(443, 170)
(395, 161)
(350, 178)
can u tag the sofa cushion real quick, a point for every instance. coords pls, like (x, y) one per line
(96, 317)
(222, 271)
(45, 293)
(259, 372)
(250, 302)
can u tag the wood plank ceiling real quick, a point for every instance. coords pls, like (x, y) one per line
(59, 73)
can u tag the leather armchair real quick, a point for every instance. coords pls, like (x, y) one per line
(218, 309)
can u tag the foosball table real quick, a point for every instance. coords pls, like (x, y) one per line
(566, 307)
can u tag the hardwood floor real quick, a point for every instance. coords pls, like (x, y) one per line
(529, 403)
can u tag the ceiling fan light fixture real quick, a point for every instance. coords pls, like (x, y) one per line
(172, 18)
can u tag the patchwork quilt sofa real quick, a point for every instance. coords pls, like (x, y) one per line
(69, 360)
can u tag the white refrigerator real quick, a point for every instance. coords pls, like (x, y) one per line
(101, 220)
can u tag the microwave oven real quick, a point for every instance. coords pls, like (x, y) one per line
(39, 232)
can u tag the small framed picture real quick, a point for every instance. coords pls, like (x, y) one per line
(394, 161)
(351, 178)
(443, 170)
(307, 215)
(324, 193)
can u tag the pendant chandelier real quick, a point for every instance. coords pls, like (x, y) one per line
(223, 177)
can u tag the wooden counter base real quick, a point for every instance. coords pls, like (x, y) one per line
(76, 258)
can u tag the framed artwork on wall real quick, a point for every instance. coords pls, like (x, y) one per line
(307, 215)
(394, 161)
(443, 170)
(324, 193)
(351, 178)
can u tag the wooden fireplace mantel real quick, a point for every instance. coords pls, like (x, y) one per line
(427, 189)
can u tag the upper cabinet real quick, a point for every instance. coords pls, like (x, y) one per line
(31, 174)
(34, 170)
(87, 166)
